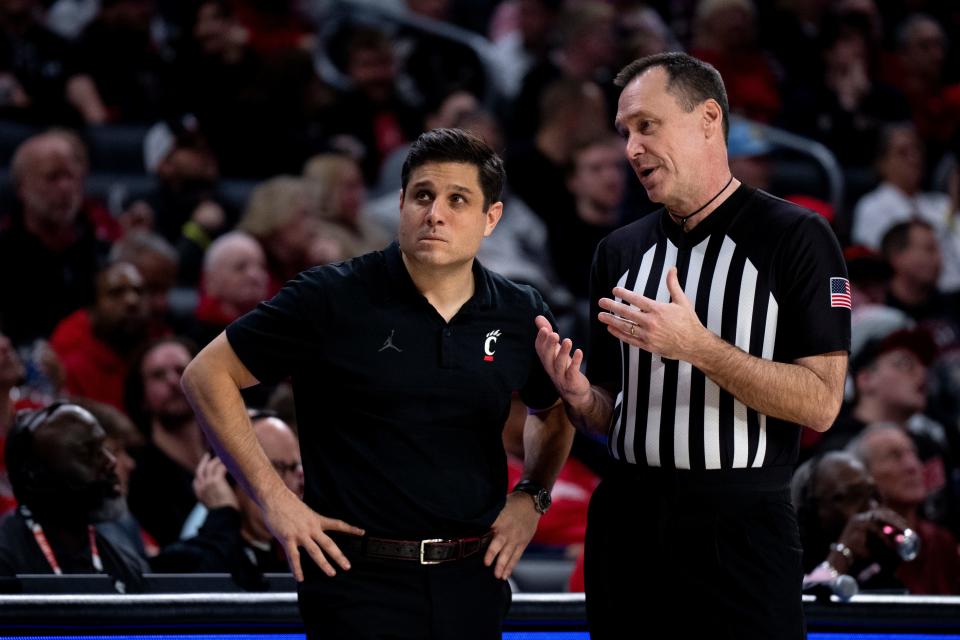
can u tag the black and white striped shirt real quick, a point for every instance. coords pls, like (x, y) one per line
(758, 271)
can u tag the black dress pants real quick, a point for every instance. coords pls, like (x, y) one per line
(675, 554)
(399, 599)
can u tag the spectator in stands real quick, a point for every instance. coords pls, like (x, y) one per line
(234, 538)
(891, 458)
(372, 118)
(39, 84)
(889, 372)
(156, 260)
(571, 113)
(335, 181)
(118, 51)
(521, 33)
(161, 487)
(62, 475)
(912, 250)
(725, 35)
(596, 178)
(251, 99)
(95, 345)
(889, 369)
(279, 216)
(900, 198)
(921, 74)
(848, 105)
(122, 438)
(235, 279)
(48, 246)
(187, 206)
(106, 227)
(842, 524)
(585, 50)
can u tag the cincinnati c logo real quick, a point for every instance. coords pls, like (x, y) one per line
(488, 345)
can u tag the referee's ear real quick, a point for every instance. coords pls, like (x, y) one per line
(493, 214)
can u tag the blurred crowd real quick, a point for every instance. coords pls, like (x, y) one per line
(168, 165)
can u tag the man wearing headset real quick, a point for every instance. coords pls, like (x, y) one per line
(62, 476)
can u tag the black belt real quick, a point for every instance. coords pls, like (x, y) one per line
(433, 551)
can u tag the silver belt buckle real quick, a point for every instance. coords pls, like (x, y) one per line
(423, 546)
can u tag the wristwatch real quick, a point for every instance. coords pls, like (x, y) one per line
(541, 497)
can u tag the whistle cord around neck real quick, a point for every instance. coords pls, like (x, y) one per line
(682, 220)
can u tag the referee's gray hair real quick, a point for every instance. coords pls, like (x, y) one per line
(690, 80)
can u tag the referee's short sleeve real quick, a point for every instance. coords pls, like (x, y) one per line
(280, 336)
(812, 321)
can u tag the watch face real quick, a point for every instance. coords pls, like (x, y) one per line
(541, 497)
(543, 500)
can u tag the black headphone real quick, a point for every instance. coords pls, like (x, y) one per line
(27, 475)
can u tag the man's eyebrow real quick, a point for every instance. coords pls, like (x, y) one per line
(637, 112)
(458, 187)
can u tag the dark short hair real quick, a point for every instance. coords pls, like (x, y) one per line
(690, 80)
(897, 237)
(457, 145)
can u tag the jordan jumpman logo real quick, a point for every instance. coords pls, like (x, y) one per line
(388, 343)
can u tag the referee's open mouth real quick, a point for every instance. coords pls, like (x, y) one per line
(645, 170)
(644, 173)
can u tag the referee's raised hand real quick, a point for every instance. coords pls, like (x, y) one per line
(669, 329)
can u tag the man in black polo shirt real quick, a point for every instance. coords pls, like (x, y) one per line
(721, 324)
(403, 364)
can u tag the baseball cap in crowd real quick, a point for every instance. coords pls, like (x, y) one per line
(746, 140)
(913, 339)
(864, 265)
(164, 136)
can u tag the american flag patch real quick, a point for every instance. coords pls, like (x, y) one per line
(840, 293)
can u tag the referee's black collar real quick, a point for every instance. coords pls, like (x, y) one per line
(399, 283)
(717, 219)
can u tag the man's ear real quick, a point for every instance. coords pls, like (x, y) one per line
(712, 118)
(494, 213)
(401, 197)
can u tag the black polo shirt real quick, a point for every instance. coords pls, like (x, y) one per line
(400, 413)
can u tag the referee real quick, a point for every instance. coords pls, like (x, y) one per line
(721, 324)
